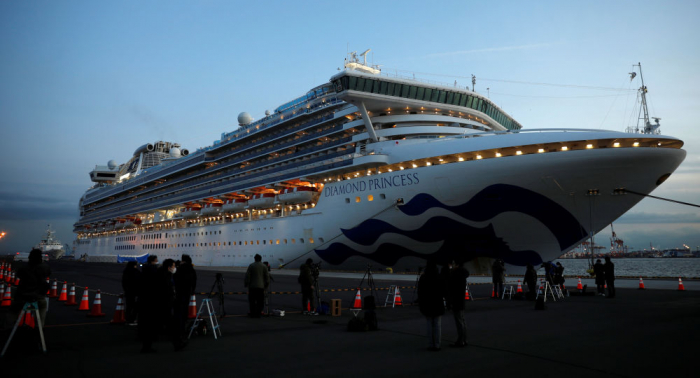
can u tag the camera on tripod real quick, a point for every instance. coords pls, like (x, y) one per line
(315, 269)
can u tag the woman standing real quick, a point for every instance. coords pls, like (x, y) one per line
(431, 296)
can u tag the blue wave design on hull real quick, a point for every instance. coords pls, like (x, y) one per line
(459, 239)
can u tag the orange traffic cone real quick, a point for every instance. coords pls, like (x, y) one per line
(641, 283)
(2, 272)
(71, 297)
(27, 319)
(520, 288)
(358, 300)
(493, 291)
(397, 298)
(119, 316)
(605, 286)
(96, 306)
(53, 293)
(64, 293)
(16, 280)
(680, 285)
(7, 298)
(192, 309)
(2, 290)
(85, 302)
(48, 282)
(466, 295)
(579, 286)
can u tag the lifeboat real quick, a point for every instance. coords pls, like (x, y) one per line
(190, 212)
(262, 201)
(234, 205)
(299, 194)
(211, 209)
(121, 223)
(138, 221)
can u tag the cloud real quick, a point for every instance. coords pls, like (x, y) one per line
(650, 218)
(15, 206)
(491, 49)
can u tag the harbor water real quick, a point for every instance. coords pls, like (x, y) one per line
(643, 267)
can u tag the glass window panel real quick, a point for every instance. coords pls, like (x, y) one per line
(463, 99)
(397, 90)
(383, 87)
(412, 91)
(421, 93)
(375, 87)
(441, 97)
(450, 96)
(404, 90)
(360, 84)
(368, 85)
(435, 95)
(390, 89)
(469, 101)
(455, 100)
(428, 94)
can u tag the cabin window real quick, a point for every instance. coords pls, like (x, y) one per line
(412, 92)
(450, 96)
(404, 90)
(370, 198)
(420, 93)
(441, 97)
(357, 199)
(383, 87)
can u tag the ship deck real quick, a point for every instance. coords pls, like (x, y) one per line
(639, 333)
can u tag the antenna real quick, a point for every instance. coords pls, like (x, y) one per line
(364, 55)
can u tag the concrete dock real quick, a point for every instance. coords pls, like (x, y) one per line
(640, 333)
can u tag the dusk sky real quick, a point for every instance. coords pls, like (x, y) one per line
(83, 82)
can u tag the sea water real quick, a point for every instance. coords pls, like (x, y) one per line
(649, 267)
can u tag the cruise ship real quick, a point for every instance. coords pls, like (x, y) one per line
(378, 170)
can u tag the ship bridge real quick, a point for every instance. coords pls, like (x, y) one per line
(387, 95)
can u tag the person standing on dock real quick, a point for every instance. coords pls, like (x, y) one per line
(33, 284)
(147, 304)
(498, 271)
(131, 282)
(185, 279)
(457, 287)
(431, 301)
(257, 279)
(610, 276)
(306, 279)
(531, 281)
(599, 272)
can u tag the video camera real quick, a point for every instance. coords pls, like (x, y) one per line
(316, 269)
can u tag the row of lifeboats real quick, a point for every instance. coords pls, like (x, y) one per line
(286, 196)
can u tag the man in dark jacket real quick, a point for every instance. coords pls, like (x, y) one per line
(257, 279)
(32, 284)
(599, 272)
(431, 296)
(131, 282)
(457, 288)
(306, 279)
(531, 281)
(610, 276)
(498, 271)
(147, 304)
(185, 279)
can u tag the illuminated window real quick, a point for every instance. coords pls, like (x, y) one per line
(278, 241)
(589, 146)
(616, 144)
(498, 154)
(357, 199)
(311, 240)
(564, 148)
(293, 241)
(370, 198)
(541, 150)
(635, 144)
(518, 152)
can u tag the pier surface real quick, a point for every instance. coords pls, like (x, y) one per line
(640, 333)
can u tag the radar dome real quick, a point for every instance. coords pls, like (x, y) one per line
(244, 119)
(111, 164)
(267, 112)
(175, 152)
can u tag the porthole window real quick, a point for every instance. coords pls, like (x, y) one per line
(311, 240)
(357, 199)
(301, 240)
(370, 198)
(293, 241)
(347, 200)
(320, 239)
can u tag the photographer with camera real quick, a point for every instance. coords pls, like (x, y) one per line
(257, 279)
(308, 274)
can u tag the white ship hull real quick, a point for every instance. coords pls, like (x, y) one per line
(528, 208)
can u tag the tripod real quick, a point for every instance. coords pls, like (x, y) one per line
(415, 287)
(219, 294)
(370, 281)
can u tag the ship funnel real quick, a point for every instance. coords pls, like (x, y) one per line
(184, 152)
(145, 148)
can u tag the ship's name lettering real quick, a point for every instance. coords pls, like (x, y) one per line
(372, 184)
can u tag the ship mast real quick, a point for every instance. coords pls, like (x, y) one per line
(648, 127)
